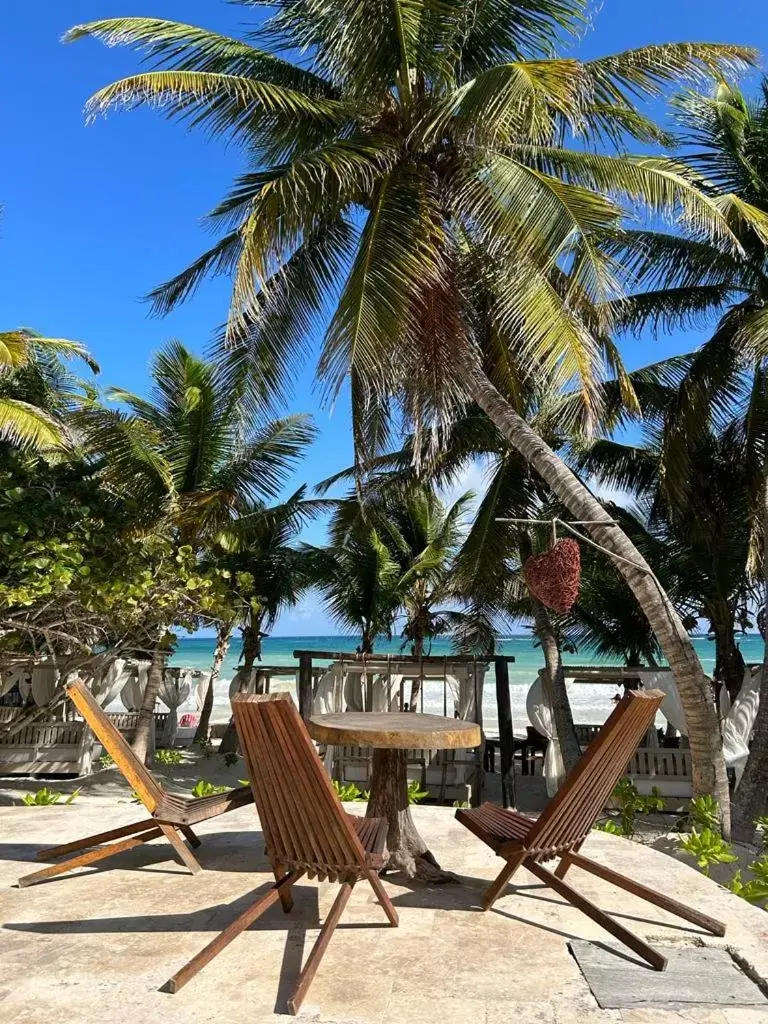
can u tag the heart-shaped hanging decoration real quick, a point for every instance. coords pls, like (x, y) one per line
(554, 577)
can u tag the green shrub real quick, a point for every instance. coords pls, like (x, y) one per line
(630, 803)
(204, 788)
(610, 826)
(461, 803)
(230, 758)
(349, 792)
(167, 756)
(46, 797)
(416, 795)
(106, 761)
(708, 847)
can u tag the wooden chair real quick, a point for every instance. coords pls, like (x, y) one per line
(306, 830)
(566, 822)
(170, 815)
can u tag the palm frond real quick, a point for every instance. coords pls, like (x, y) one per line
(25, 426)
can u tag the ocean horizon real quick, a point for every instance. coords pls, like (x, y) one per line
(591, 703)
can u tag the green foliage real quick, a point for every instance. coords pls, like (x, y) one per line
(702, 812)
(106, 761)
(167, 756)
(415, 793)
(461, 803)
(204, 788)
(708, 847)
(761, 824)
(349, 792)
(230, 758)
(630, 803)
(754, 890)
(205, 746)
(46, 797)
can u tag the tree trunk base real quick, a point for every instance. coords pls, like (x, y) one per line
(406, 850)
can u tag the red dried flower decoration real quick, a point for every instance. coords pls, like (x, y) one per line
(554, 577)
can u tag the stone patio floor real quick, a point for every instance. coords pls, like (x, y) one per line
(97, 945)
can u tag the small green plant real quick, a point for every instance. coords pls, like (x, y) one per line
(135, 798)
(761, 824)
(754, 890)
(204, 788)
(230, 758)
(708, 847)
(610, 826)
(206, 746)
(167, 756)
(46, 797)
(630, 803)
(106, 761)
(702, 812)
(349, 792)
(415, 794)
(461, 803)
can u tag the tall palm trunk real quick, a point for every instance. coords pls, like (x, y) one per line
(223, 637)
(751, 796)
(141, 739)
(729, 661)
(417, 651)
(709, 775)
(558, 695)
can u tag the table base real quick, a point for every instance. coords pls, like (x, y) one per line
(407, 851)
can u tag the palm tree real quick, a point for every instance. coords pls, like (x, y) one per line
(197, 465)
(681, 281)
(416, 142)
(36, 389)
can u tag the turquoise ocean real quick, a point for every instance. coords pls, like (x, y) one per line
(591, 702)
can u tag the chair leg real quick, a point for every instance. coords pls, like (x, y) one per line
(318, 950)
(650, 895)
(384, 899)
(648, 953)
(231, 932)
(286, 893)
(90, 857)
(186, 855)
(98, 840)
(192, 839)
(562, 868)
(493, 891)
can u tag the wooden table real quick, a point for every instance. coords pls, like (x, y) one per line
(392, 735)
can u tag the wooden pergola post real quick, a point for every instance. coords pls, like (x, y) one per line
(506, 734)
(305, 683)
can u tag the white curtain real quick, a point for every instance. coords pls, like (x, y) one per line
(17, 674)
(174, 690)
(671, 706)
(132, 693)
(740, 721)
(200, 679)
(328, 695)
(353, 688)
(108, 683)
(540, 714)
(45, 679)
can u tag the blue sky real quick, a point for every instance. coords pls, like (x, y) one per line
(95, 216)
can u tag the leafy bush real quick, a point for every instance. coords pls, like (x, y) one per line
(230, 758)
(630, 803)
(708, 847)
(167, 756)
(46, 797)
(610, 826)
(106, 761)
(703, 812)
(761, 824)
(416, 795)
(461, 803)
(204, 788)
(349, 792)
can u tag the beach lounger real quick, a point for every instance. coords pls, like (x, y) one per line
(306, 830)
(567, 820)
(170, 815)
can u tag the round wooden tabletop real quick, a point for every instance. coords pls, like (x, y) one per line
(401, 730)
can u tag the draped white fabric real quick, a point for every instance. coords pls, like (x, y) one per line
(740, 721)
(106, 684)
(353, 688)
(174, 690)
(45, 678)
(10, 676)
(671, 706)
(200, 684)
(540, 715)
(132, 693)
(328, 694)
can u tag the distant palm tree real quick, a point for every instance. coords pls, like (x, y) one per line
(420, 149)
(190, 457)
(36, 389)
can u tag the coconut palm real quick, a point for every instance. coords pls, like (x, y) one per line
(417, 147)
(36, 388)
(688, 280)
(187, 453)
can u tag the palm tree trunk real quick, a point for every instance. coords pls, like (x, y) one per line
(143, 735)
(418, 651)
(749, 800)
(709, 775)
(729, 661)
(251, 653)
(223, 636)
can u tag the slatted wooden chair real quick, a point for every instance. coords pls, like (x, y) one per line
(306, 830)
(567, 820)
(170, 815)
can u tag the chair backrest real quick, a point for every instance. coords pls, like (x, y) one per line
(304, 824)
(131, 767)
(575, 807)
